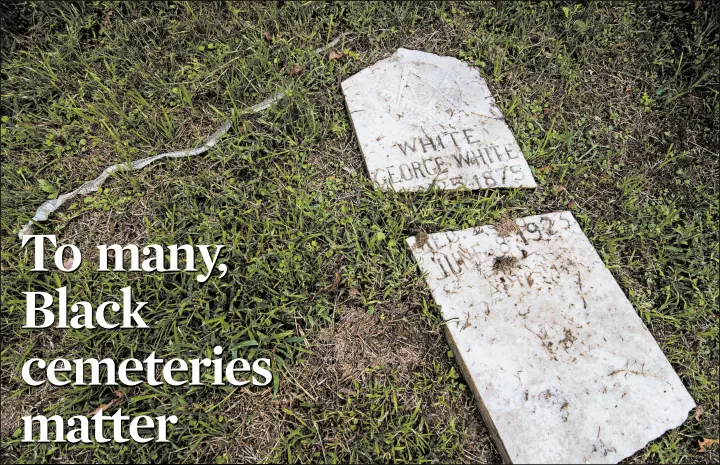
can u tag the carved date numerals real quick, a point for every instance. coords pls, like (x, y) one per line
(542, 229)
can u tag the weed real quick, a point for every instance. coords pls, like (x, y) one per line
(614, 104)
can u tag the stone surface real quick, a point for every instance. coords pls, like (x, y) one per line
(422, 118)
(563, 368)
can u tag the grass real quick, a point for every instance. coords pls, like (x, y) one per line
(614, 104)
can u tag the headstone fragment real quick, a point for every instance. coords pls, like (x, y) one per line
(562, 366)
(423, 119)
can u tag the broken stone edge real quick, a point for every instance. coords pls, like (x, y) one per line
(449, 61)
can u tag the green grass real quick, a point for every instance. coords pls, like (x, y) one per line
(616, 102)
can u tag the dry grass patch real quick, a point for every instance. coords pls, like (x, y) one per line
(365, 360)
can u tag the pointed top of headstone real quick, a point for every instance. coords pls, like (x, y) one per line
(422, 118)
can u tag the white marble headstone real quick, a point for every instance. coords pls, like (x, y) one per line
(563, 368)
(421, 119)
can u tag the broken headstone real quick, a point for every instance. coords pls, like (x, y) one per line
(563, 368)
(423, 119)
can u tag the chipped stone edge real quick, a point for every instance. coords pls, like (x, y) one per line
(349, 82)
